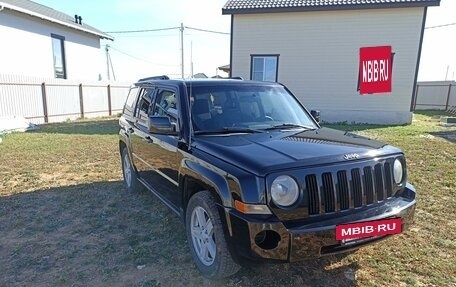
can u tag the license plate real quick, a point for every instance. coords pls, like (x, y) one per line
(354, 232)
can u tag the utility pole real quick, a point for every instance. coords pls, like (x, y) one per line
(446, 75)
(182, 49)
(107, 60)
(191, 58)
(112, 67)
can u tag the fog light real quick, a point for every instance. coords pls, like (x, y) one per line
(267, 239)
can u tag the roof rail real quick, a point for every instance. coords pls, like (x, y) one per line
(163, 77)
(237, 78)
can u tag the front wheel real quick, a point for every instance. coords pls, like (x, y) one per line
(129, 173)
(206, 237)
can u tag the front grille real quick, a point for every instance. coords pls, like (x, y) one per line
(348, 188)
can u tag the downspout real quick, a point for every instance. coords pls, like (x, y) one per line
(418, 58)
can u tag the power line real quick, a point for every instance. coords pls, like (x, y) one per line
(139, 58)
(209, 31)
(142, 31)
(165, 29)
(439, 26)
(137, 35)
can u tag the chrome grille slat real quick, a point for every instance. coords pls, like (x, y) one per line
(343, 191)
(368, 184)
(379, 189)
(388, 179)
(313, 194)
(321, 194)
(329, 192)
(358, 194)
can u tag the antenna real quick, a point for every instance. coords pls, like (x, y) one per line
(191, 58)
(182, 48)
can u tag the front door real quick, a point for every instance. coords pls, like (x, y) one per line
(158, 152)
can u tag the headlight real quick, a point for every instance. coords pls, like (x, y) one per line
(284, 191)
(398, 171)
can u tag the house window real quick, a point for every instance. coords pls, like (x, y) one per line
(264, 67)
(58, 52)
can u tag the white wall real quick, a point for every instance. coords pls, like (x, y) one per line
(319, 57)
(26, 48)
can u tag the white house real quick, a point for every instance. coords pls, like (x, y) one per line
(316, 48)
(39, 41)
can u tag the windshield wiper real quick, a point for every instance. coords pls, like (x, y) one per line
(289, 126)
(228, 130)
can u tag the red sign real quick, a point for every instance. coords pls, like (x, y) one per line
(375, 68)
(369, 229)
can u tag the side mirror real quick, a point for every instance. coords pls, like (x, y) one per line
(316, 115)
(161, 125)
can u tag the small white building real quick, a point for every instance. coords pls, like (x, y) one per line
(314, 48)
(39, 41)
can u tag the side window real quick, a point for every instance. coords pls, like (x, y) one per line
(264, 67)
(166, 105)
(144, 106)
(58, 53)
(130, 101)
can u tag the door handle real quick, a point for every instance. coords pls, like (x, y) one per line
(149, 140)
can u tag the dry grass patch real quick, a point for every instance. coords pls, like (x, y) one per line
(66, 219)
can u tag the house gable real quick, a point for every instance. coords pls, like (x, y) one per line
(33, 47)
(48, 14)
(319, 48)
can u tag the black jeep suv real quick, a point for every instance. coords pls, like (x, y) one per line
(252, 174)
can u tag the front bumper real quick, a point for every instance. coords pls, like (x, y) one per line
(260, 237)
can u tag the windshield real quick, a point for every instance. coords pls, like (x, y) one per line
(252, 108)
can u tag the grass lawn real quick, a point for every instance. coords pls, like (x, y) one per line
(66, 219)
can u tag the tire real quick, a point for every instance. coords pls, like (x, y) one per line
(129, 173)
(206, 238)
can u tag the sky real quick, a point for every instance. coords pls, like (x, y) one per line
(136, 55)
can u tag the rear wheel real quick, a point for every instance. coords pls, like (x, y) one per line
(129, 173)
(206, 237)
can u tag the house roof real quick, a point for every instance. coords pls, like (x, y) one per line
(270, 6)
(225, 68)
(200, 76)
(51, 15)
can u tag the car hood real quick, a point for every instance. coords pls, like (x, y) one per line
(263, 153)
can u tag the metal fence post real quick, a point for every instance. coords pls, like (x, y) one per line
(81, 101)
(448, 97)
(415, 98)
(44, 100)
(109, 100)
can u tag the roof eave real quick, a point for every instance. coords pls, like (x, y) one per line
(231, 11)
(43, 17)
